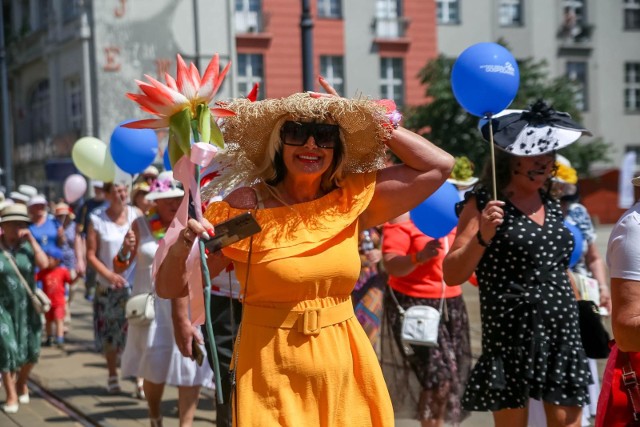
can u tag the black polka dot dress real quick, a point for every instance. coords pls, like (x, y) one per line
(531, 343)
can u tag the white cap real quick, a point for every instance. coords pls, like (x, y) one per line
(97, 184)
(37, 200)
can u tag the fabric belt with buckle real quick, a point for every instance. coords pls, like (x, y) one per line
(309, 321)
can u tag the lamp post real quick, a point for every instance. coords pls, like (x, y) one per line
(196, 33)
(306, 26)
(7, 146)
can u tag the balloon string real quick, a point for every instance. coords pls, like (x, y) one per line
(493, 159)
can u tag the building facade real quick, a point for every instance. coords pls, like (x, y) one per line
(596, 43)
(70, 62)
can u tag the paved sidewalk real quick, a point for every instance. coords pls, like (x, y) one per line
(78, 377)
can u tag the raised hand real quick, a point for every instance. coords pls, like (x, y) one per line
(490, 218)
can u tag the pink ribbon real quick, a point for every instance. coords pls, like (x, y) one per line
(202, 154)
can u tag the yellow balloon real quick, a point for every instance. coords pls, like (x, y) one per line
(91, 156)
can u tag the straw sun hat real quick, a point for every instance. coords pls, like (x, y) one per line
(363, 123)
(17, 212)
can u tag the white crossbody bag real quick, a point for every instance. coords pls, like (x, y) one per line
(420, 323)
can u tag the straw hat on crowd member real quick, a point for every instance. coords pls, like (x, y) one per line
(139, 196)
(18, 197)
(252, 136)
(140, 187)
(151, 171)
(636, 181)
(148, 175)
(15, 212)
(63, 209)
(27, 190)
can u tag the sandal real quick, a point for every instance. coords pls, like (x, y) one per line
(113, 386)
(156, 422)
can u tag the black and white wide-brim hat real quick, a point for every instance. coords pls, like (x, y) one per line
(539, 130)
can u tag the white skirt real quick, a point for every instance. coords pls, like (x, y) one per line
(151, 353)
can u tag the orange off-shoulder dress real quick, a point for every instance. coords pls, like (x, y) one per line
(306, 256)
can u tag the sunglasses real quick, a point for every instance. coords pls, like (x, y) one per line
(297, 134)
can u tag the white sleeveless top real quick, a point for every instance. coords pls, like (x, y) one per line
(147, 247)
(111, 237)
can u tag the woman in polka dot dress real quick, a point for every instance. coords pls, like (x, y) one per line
(520, 250)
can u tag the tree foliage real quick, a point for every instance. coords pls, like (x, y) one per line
(444, 122)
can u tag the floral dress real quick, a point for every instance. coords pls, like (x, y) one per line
(531, 343)
(20, 325)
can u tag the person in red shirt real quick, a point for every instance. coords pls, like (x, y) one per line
(413, 261)
(54, 278)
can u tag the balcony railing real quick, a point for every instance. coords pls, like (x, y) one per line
(578, 35)
(249, 21)
(391, 27)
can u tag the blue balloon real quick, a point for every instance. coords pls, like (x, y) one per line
(485, 79)
(436, 216)
(578, 240)
(133, 150)
(165, 160)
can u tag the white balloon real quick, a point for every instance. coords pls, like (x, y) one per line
(74, 188)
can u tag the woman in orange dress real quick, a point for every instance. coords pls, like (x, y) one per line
(301, 357)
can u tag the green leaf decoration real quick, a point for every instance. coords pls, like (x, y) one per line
(175, 152)
(216, 134)
(204, 122)
(180, 134)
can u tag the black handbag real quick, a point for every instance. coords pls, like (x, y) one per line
(595, 338)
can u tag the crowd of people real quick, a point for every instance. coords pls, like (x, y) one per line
(299, 309)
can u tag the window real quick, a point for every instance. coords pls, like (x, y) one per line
(73, 99)
(248, 16)
(391, 79)
(575, 26)
(329, 9)
(510, 13)
(576, 10)
(41, 14)
(389, 23)
(448, 11)
(70, 9)
(632, 87)
(39, 118)
(577, 73)
(632, 14)
(332, 69)
(250, 72)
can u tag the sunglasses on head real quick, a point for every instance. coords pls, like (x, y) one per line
(297, 133)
